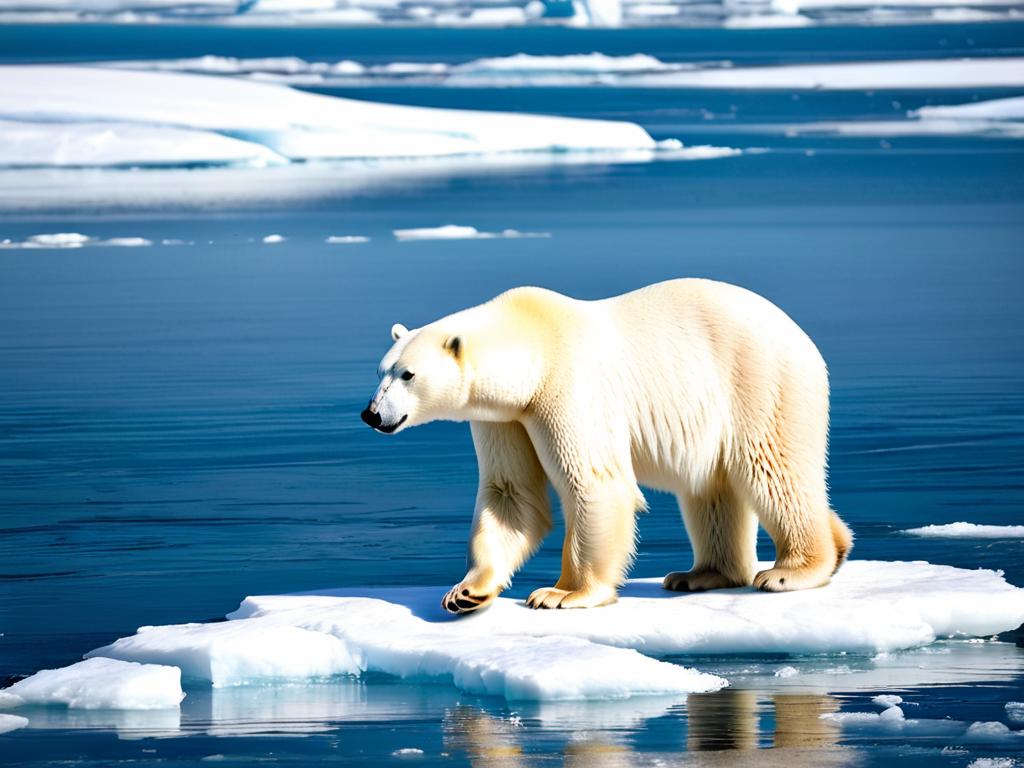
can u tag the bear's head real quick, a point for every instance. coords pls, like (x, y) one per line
(455, 369)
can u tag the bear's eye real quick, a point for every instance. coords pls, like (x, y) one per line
(407, 376)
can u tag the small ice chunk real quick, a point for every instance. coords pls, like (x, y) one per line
(9, 700)
(12, 723)
(271, 239)
(59, 240)
(1015, 711)
(992, 762)
(456, 232)
(887, 700)
(103, 684)
(126, 242)
(346, 239)
(786, 672)
(989, 731)
(968, 531)
(407, 752)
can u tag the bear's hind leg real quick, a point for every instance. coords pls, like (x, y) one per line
(723, 534)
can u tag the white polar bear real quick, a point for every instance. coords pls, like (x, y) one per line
(695, 387)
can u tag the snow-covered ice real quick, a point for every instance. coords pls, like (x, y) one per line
(968, 531)
(521, 654)
(12, 722)
(1015, 711)
(887, 700)
(456, 232)
(274, 239)
(278, 122)
(101, 683)
(346, 239)
(235, 653)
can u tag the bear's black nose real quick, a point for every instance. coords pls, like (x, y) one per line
(371, 418)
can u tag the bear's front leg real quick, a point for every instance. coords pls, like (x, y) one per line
(599, 545)
(513, 514)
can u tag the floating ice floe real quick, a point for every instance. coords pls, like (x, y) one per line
(997, 118)
(968, 531)
(274, 239)
(599, 69)
(100, 683)
(12, 723)
(1015, 711)
(892, 719)
(277, 122)
(72, 240)
(456, 232)
(512, 651)
(346, 239)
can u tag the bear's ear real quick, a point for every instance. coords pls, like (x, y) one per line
(454, 345)
(398, 331)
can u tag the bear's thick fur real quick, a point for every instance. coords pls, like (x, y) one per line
(694, 387)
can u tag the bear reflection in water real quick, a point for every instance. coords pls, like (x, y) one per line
(718, 726)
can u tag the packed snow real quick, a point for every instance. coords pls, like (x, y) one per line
(12, 722)
(235, 653)
(456, 232)
(521, 654)
(599, 69)
(278, 122)
(968, 531)
(101, 683)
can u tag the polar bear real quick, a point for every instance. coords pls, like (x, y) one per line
(695, 387)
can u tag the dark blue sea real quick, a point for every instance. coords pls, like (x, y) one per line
(179, 424)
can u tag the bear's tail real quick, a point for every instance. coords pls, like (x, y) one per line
(843, 538)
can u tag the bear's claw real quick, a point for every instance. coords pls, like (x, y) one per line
(552, 597)
(461, 600)
(696, 581)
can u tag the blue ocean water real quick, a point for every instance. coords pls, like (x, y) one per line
(179, 424)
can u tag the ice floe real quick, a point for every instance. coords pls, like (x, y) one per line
(274, 239)
(512, 651)
(277, 121)
(1015, 711)
(599, 69)
(892, 719)
(71, 240)
(456, 232)
(996, 118)
(101, 683)
(12, 722)
(346, 239)
(968, 531)
(235, 653)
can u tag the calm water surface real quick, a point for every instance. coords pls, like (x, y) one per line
(179, 424)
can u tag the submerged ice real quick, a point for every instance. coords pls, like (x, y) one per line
(605, 653)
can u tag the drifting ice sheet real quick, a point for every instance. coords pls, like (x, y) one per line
(101, 684)
(217, 119)
(518, 653)
(968, 531)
